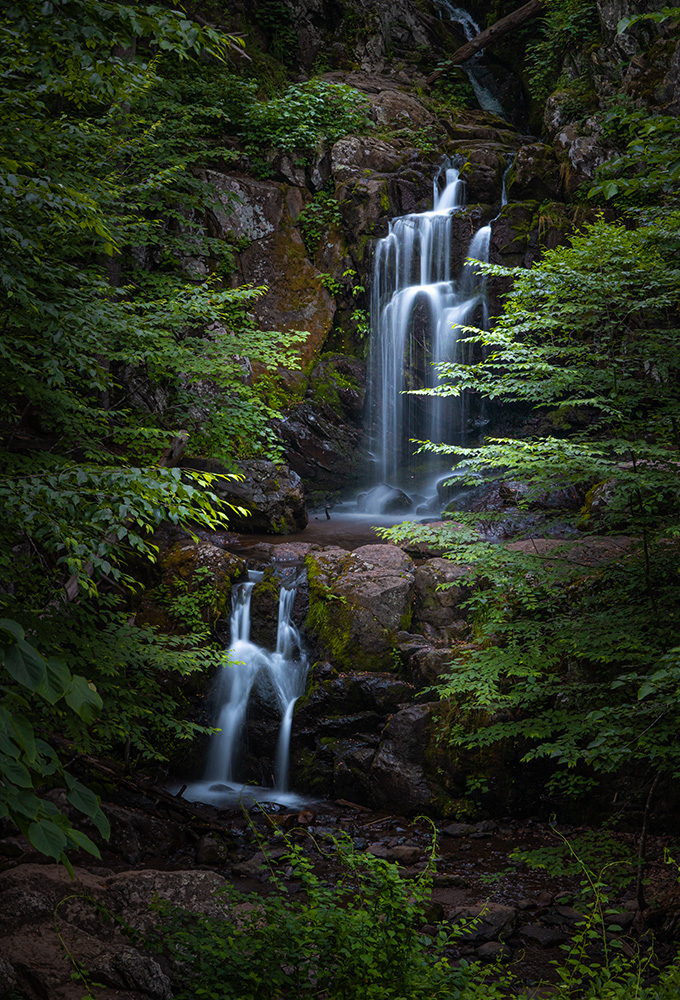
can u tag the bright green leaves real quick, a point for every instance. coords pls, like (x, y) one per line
(658, 16)
(29, 764)
(641, 138)
(307, 115)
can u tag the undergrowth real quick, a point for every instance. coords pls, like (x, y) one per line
(358, 935)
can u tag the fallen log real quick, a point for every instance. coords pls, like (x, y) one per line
(489, 35)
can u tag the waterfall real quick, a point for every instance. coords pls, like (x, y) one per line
(478, 75)
(416, 300)
(278, 676)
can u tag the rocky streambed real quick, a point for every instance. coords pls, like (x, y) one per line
(59, 937)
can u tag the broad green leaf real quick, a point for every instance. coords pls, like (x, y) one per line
(83, 699)
(56, 681)
(47, 838)
(83, 799)
(82, 840)
(24, 664)
(14, 771)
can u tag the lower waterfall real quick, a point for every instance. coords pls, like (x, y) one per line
(278, 678)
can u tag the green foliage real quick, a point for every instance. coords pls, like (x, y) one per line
(658, 16)
(354, 937)
(307, 116)
(592, 851)
(117, 339)
(138, 673)
(188, 601)
(567, 27)
(358, 936)
(319, 215)
(645, 172)
(28, 764)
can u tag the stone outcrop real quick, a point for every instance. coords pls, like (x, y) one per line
(358, 602)
(177, 566)
(264, 497)
(322, 434)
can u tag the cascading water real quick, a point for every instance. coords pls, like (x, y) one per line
(478, 75)
(415, 307)
(279, 679)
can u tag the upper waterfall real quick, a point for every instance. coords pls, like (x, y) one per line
(417, 302)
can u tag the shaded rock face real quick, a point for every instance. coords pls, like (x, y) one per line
(271, 494)
(178, 565)
(264, 212)
(36, 897)
(323, 433)
(359, 601)
(440, 608)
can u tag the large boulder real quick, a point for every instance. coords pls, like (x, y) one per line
(265, 214)
(270, 496)
(323, 434)
(358, 603)
(190, 567)
(435, 606)
(398, 778)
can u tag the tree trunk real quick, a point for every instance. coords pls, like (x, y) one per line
(490, 35)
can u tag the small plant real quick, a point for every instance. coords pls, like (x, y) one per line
(316, 218)
(357, 937)
(189, 601)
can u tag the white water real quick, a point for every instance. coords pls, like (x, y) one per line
(416, 304)
(478, 76)
(278, 676)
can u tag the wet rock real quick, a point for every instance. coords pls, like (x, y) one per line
(535, 175)
(264, 610)
(265, 213)
(322, 434)
(403, 854)
(253, 866)
(178, 565)
(397, 109)
(384, 499)
(358, 603)
(434, 606)
(8, 977)
(398, 777)
(458, 830)
(545, 937)
(493, 951)
(143, 973)
(355, 691)
(398, 783)
(352, 156)
(485, 921)
(272, 494)
(211, 850)
(585, 153)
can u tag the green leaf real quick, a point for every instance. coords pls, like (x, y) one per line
(82, 840)
(14, 771)
(24, 664)
(47, 838)
(56, 681)
(83, 798)
(83, 699)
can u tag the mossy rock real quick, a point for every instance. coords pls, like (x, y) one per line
(196, 585)
(358, 602)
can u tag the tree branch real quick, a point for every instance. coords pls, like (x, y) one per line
(489, 35)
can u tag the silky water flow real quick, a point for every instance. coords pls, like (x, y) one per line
(277, 677)
(417, 304)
